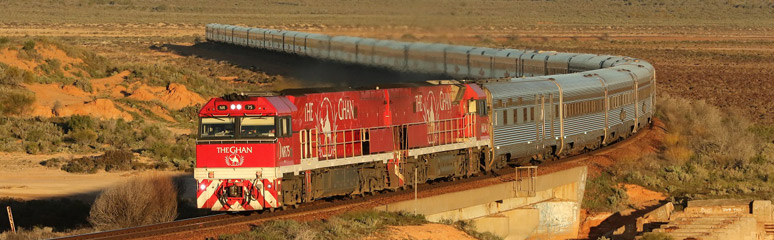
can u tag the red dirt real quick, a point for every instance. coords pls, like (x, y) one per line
(100, 108)
(108, 83)
(642, 197)
(11, 57)
(177, 96)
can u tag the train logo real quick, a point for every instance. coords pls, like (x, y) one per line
(235, 160)
(325, 121)
(431, 109)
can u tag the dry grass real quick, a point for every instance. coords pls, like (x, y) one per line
(706, 153)
(458, 13)
(351, 225)
(140, 201)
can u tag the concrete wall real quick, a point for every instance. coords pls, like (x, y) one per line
(551, 212)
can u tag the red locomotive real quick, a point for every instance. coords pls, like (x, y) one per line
(264, 152)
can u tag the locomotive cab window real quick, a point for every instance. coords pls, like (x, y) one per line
(284, 127)
(257, 127)
(217, 128)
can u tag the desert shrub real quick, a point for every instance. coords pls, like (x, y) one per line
(83, 136)
(29, 45)
(607, 195)
(111, 160)
(53, 162)
(188, 114)
(117, 160)
(10, 75)
(30, 135)
(81, 165)
(59, 213)
(346, 226)
(84, 85)
(706, 153)
(118, 133)
(139, 201)
(76, 122)
(15, 101)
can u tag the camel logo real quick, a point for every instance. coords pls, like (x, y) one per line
(235, 160)
(431, 108)
(326, 124)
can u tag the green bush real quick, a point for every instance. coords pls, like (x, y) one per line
(77, 122)
(15, 101)
(83, 136)
(10, 75)
(29, 45)
(84, 85)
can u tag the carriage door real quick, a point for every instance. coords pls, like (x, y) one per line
(540, 104)
(552, 111)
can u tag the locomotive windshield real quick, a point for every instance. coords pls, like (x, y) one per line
(246, 127)
(257, 127)
(217, 127)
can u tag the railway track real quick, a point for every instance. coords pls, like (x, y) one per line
(213, 225)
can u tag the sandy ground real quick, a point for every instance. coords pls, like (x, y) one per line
(430, 231)
(22, 176)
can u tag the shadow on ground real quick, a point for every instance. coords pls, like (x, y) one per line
(306, 71)
(72, 211)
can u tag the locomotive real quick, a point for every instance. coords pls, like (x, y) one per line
(267, 151)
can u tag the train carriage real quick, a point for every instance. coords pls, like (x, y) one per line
(390, 54)
(482, 62)
(241, 36)
(274, 40)
(523, 116)
(578, 63)
(532, 64)
(344, 49)
(583, 111)
(365, 51)
(558, 63)
(426, 57)
(507, 63)
(318, 45)
(255, 37)
(458, 61)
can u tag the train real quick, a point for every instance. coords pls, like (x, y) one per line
(504, 106)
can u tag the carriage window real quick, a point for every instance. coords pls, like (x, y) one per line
(257, 127)
(524, 115)
(217, 128)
